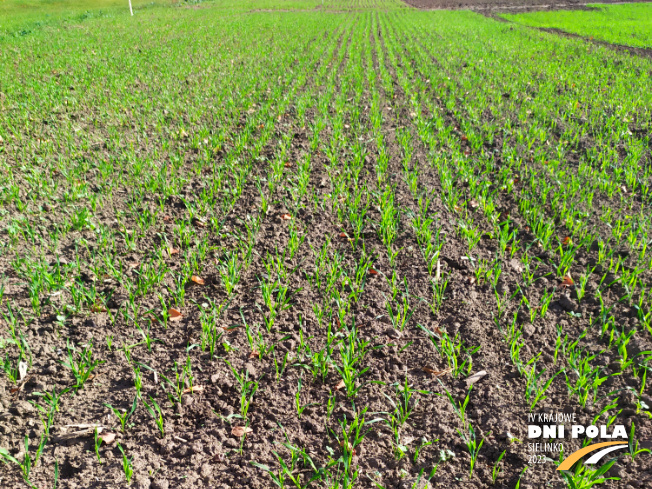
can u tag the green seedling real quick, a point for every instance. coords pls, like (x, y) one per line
(300, 463)
(459, 408)
(472, 445)
(98, 441)
(280, 366)
(423, 443)
(535, 393)
(633, 445)
(154, 409)
(127, 464)
(584, 477)
(495, 472)
(247, 389)
(81, 365)
(29, 461)
(351, 354)
(297, 400)
(124, 415)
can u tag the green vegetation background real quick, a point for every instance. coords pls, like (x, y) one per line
(628, 24)
(21, 17)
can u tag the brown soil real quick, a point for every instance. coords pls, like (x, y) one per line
(199, 449)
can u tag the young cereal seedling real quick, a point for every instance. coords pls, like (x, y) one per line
(534, 393)
(247, 389)
(124, 415)
(127, 464)
(584, 477)
(280, 366)
(29, 461)
(472, 445)
(633, 445)
(422, 444)
(289, 471)
(138, 380)
(297, 401)
(177, 384)
(351, 354)
(351, 436)
(495, 472)
(459, 408)
(98, 441)
(154, 409)
(81, 365)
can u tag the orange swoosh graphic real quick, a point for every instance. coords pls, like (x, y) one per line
(574, 457)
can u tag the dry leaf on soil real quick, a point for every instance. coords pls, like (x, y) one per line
(175, 314)
(286, 217)
(22, 370)
(241, 431)
(194, 389)
(436, 373)
(340, 385)
(475, 377)
(408, 439)
(197, 280)
(107, 437)
(567, 281)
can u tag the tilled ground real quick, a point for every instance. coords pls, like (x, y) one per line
(201, 447)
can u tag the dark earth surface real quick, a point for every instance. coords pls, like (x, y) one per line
(200, 450)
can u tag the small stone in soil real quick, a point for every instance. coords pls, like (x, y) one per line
(197, 447)
(250, 369)
(567, 304)
(393, 333)
(51, 370)
(143, 482)
(22, 408)
(529, 330)
(206, 470)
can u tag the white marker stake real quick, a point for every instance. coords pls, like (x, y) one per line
(130, 9)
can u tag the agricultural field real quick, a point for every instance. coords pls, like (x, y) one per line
(320, 244)
(22, 17)
(626, 24)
